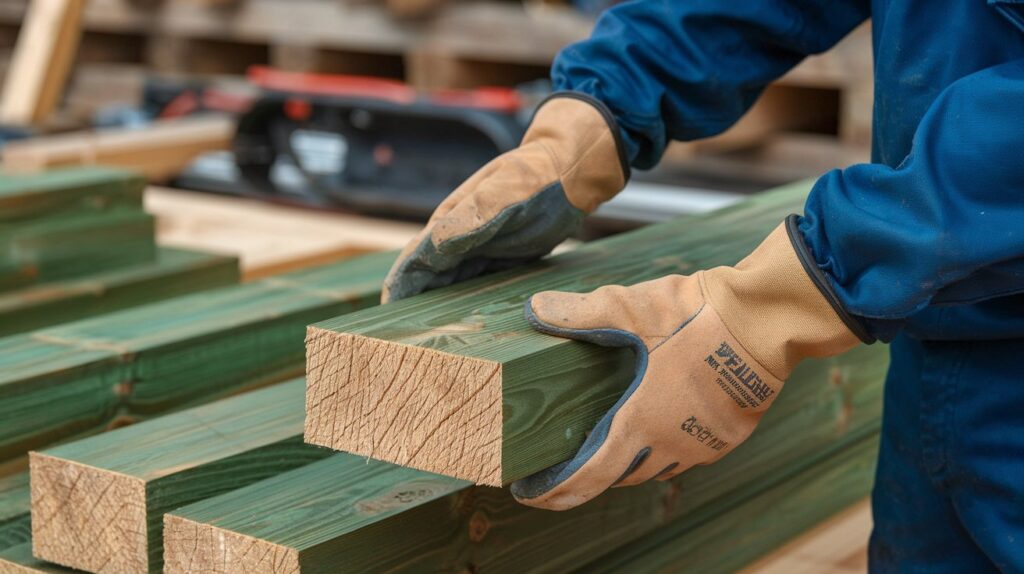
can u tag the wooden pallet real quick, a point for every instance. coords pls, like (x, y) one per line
(464, 45)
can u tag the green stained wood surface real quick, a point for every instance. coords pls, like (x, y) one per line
(173, 460)
(77, 377)
(14, 510)
(66, 193)
(543, 393)
(172, 272)
(349, 514)
(726, 540)
(19, 560)
(48, 251)
(69, 222)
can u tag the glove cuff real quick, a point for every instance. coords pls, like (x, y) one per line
(771, 305)
(585, 144)
(821, 281)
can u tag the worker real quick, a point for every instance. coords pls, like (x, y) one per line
(923, 247)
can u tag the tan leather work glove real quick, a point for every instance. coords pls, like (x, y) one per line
(713, 351)
(523, 203)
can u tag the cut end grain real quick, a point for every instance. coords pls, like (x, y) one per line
(408, 405)
(196, 547)
(87, 518)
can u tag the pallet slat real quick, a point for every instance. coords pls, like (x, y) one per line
(161, 150)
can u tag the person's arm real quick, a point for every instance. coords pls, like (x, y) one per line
(651, 71)
(683, 70)
(946, 226)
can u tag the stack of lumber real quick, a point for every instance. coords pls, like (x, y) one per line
(86, 377)
(77, 242)
(83, 376)
(452, 385)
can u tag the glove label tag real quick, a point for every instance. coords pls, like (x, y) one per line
(737, 378)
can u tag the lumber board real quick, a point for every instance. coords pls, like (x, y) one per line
(60, 224)
(268, 239)
(48, 251)
(173, 272)
(19, 560)
(344, 513)
(98, 503)
(66, 193)
(14, 510)
(725, 542)
(491, 399)
(838, 545)
(157, 151)
(41, 61)
(79, 377)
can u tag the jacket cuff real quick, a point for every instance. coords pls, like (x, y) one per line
(821, 281)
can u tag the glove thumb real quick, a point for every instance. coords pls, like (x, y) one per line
(599, 317)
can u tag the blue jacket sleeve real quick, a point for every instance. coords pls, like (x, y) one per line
(945, 227)
(688, 69)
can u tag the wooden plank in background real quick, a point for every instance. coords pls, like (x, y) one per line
(173, 272)
(268, 238)
(157, 151)
(504, 400)
(41, 61)
(98, 503)
(46, 250)
(78, 377)
(66, 194)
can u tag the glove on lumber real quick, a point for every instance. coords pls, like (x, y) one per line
(522, 204)
(713, 350)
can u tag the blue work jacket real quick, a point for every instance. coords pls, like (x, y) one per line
(929, 238)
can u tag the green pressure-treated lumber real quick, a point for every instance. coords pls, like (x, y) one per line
(347, 514)
(52, 250)
(14, 510)
(19, 560)
(713, 542)
(69, 222)
(77, 377)
(455, 381)
(67, 193)
(172, 272)
(98, 503)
